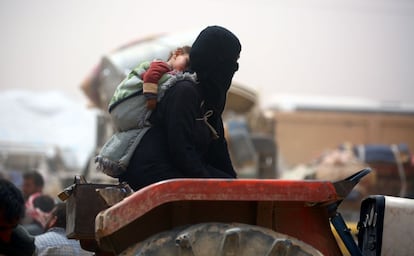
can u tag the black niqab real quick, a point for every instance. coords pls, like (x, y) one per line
(213, 57)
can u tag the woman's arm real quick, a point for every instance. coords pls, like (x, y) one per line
(181, 107)
(219, 156)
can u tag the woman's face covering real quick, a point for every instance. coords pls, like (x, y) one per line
(213, 57)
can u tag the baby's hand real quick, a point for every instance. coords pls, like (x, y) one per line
(152, 103)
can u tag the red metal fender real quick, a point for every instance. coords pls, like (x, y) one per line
(296, 196)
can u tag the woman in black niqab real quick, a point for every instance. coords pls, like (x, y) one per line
(186, 139)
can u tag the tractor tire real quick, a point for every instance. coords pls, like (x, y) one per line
(221, 239)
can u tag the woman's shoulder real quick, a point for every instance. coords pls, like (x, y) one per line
(185, 88)
(181, 88)
(184, 92)
(185, 84)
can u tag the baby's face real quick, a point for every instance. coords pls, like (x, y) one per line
(181, 62)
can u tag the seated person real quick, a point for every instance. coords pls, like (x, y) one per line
(14, 239)
(38, 212)
(54, 241)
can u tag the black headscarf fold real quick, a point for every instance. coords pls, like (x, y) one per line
(213, 57)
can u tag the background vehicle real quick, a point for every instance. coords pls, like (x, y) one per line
(48, 160)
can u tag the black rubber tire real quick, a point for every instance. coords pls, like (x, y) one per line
(221, 239)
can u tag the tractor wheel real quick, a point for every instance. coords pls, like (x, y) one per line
(221, 239)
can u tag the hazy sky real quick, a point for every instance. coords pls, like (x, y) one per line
(358, 48)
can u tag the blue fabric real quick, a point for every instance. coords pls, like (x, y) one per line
(379, 152)
(55, 242)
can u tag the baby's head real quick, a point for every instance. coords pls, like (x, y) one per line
(180, 58)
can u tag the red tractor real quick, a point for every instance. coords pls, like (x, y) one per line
(221, 217)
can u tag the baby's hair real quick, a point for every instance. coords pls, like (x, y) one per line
(183, 50)
(186, 49)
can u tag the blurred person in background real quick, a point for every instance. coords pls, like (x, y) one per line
(38, 211)
(32, 187)
(33, 184)
(54, 241)
(14, 239)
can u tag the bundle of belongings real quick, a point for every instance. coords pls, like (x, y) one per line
(341, 163)
(347, 159)
(393, 165)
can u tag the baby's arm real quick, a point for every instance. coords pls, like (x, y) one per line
(150, 87)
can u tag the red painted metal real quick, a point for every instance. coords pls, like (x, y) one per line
(297, 207)
(156, 194)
